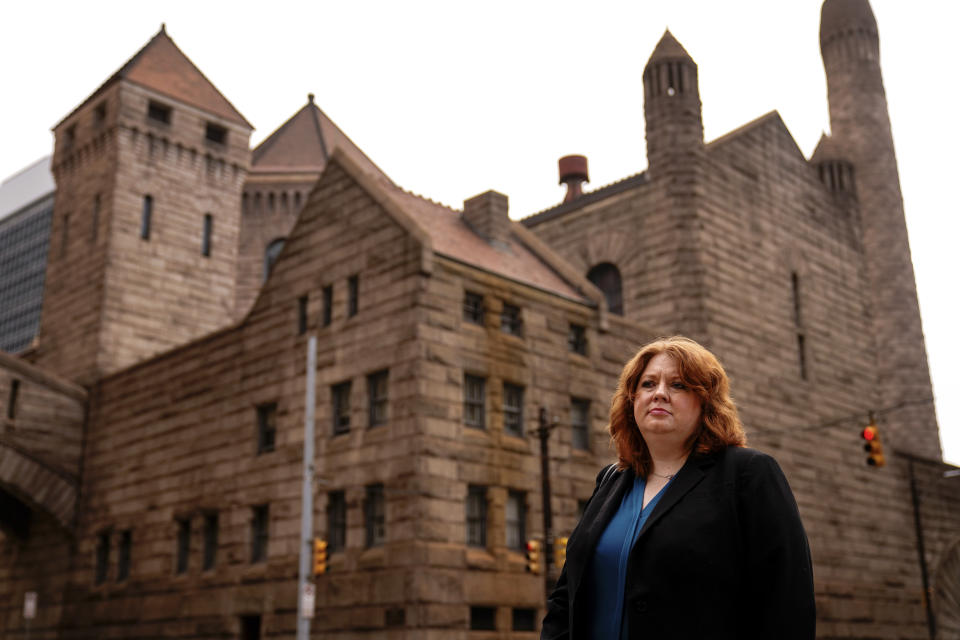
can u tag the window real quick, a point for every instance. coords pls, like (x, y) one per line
(145, 215)
(580, 423)
(123, 556)
(476, 516)
(395, 617)
(473, 307)
(302, 315)
(524, 619)
(798, 325)
(70, 136)
(100, 114)
(103, 557)
(340, 404)
(207, 234)
(183, 545)
(483, 618)
(216, 133)
(577, 339)
(474, 401)
(65, 234)
(95, 219)
(12, 399)
(266, 427)
(513, 409)
(802, 353)
(159, 112)
(374, 515)
(271, 254)
(510, 322)
(327, 305)
(249, 627)
(516, 520)
(211, 535)
(607, 278)
(353, 295)
(259, 533)
(377, 385)
(336, 521)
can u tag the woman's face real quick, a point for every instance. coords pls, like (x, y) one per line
(665, 409)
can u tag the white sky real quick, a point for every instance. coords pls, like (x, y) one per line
(454, 98)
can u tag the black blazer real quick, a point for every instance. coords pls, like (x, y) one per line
(722, 556)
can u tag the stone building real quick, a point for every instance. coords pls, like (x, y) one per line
(150, 457)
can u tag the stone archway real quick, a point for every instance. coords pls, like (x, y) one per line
(37, 485)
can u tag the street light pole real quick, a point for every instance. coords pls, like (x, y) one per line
(305, 608)
(543, 432)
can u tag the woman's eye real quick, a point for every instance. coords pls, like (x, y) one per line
(679, 385)
(647, 384)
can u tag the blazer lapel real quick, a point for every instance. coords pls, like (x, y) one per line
(689, 476)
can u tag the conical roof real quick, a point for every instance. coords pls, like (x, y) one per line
(669, 49)
(305, 142)
(161, 66)
(845, 15)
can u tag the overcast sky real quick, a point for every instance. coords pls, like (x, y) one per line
(454, 98)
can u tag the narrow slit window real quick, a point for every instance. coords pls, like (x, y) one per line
(266, 427)
(379, 402)
(353, 296)
(95, 219)
(207, 234)
(336, 521)
(183, 545)
(12, 399)
(302, 317)
(327, 305)
(211, 534)
(123, 555)
(259, 533)
(340, 404)
(145, 217)
(102, 564)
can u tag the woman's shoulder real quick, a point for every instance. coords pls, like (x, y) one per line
(747, 460)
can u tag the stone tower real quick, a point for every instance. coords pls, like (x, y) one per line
(149, 171)
(860, 127)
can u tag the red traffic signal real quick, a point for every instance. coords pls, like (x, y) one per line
(873, 446)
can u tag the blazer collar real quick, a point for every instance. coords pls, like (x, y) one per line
(690, 474)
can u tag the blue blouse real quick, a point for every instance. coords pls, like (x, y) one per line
(606, 579)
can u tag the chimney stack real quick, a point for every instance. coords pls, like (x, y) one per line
(487, 214)
(573, 172)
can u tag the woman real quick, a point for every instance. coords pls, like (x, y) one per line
(691, 535)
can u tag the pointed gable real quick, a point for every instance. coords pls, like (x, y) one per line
(305, 143)
(162, 67)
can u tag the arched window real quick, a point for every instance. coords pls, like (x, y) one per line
(271, 254)
(607, 278)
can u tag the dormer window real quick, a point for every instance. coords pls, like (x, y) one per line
(216, 133)
(159, 112)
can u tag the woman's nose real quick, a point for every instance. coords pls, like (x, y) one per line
(661, 391)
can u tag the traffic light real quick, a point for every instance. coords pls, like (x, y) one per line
(319, 556)
(534, 557)
(873, 446)
(559, 552)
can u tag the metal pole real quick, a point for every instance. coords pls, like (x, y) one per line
(544, 432)
(306, 497)
(931, 622)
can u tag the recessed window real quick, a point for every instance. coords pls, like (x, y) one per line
(123, 555)
(249, 627)
(516, 519)
(12, 398)
(353, 295)
(207, 235)
(510, 320)
(374, 512)
(474, 401)
(216, 133)
(146, 214)
(183, 545)
(340, 405)
(483, 618)
(95, 219)
(577, 339)
(271, 254)
(302, 314)
(473, 307)
(266, 427)
(377, 386)
(100, 114)
(513, 409)
(327, 305)
(211, 534)
(395, 617)
(259, 533)
(476, 516)
(580, 423)
(607, 278)
(524, 619)
(159, 112)
(336, 521)
(103, 557)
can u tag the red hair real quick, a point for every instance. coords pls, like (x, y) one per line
(702, 373)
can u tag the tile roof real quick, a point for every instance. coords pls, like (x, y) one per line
(587, 198)
(161, 66)
(305, 142)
